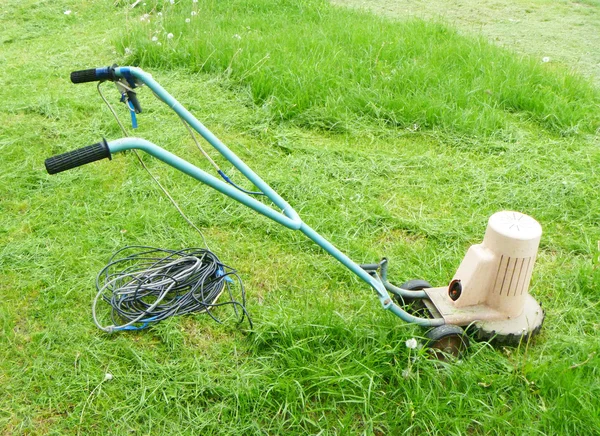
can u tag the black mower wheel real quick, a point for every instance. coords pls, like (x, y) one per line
(447, 340)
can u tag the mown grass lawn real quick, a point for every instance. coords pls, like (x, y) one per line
(323, 357)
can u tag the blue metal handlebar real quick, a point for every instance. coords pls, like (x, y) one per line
(288, 217)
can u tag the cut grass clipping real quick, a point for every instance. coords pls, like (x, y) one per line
(323, 66)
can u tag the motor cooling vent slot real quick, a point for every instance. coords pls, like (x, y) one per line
(513, 275)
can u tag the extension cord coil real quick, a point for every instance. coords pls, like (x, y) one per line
(151, 284)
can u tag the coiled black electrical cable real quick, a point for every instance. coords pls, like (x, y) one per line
(145, 285)
(154, 283)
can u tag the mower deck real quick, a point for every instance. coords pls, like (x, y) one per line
(487, 320)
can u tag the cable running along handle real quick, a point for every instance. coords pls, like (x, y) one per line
(77, 158)
(288, 217)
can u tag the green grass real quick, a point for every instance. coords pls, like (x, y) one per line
(324, 358)
(589, 2)
(529, 27)
(347, 66)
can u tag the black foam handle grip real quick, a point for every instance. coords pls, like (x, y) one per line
(83, 76)
(93, 75)
(370, 266)
(76, 158)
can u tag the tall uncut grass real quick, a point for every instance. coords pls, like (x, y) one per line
(319, 65)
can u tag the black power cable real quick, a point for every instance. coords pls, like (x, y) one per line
(148, 285)
(154, 283)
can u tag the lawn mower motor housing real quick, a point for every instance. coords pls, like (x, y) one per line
(490, 289)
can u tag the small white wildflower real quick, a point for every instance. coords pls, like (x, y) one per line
(172, 2)
(187, 20)
(68, 12)
(169, 35)
(411, 343)
(406, 373)
(236, 36)
(159, 14)
(128, 51)
(159, 43)
(108, 376)
(154, 38)
(194, 13)
(545, 59)
(194, 1)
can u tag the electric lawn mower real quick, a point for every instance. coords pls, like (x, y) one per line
(488, 293)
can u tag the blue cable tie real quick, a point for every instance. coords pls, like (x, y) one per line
(221, 273)
(132, 327)
(134, 123)
(228, 180)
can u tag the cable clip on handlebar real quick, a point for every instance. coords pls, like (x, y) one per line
(129, 97)
(125, 99)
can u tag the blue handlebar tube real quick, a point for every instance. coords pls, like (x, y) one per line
(288, 218)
